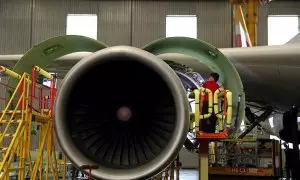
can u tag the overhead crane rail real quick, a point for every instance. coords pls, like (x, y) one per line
(25, 107)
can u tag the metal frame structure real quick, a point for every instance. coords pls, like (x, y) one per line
(223, 114)
(16, 121)
(252, 158)
(249, 24)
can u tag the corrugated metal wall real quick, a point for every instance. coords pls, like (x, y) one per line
(149, 20)
(49, 19)
(24, 23)
(15, 19)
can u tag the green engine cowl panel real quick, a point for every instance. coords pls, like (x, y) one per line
(215, 60)
(49, 50)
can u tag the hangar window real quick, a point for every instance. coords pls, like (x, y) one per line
(282, 28)
(82, 24)
(181, 25)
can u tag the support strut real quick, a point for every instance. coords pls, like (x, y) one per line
(259, 119)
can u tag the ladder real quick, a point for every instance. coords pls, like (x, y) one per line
(14, 136)
(16, 120)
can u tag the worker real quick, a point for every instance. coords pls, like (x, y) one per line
(209, 125)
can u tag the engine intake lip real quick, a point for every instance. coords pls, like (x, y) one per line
(181, 105)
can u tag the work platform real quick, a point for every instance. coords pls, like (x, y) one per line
(221, 157)
(245, 159)
(205, 139)
(29, 105)
(223, 117)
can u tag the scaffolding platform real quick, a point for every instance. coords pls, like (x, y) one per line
(211, 136)
(26, 108)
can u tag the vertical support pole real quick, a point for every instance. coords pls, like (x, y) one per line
(178, 167)
(23, 153)
(295, 139)
(32, 88)
(273, 157)
(252, 20)
(42, 100)
(20, 153)
(172, 169)
(203, 160)
(42, 153)
(53, 152)
(280, 159)
(28, 140)
(39, 155)
(167, 173)
(48, 154)
(52, 94)
(240, 21)
(65, 167)
(197, 110)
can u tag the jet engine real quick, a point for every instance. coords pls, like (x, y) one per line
(123, 111)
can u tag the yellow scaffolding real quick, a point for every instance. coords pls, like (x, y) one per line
(16, 123)
(249, 24)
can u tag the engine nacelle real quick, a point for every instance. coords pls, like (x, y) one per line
(123, 109)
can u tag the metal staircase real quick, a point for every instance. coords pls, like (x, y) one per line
(16, 156)
(14, 131)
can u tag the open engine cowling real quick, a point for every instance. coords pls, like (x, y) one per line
(123, 109)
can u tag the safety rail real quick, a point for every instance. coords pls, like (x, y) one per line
(40, 95)
(51, 97)
(199, 97)
(17, 117)
(214, 102)
(226, 112)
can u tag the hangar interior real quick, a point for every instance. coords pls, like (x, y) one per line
(24, 24)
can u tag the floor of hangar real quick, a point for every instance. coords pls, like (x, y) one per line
(189, 174)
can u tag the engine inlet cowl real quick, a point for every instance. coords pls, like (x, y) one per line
(122, 109)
